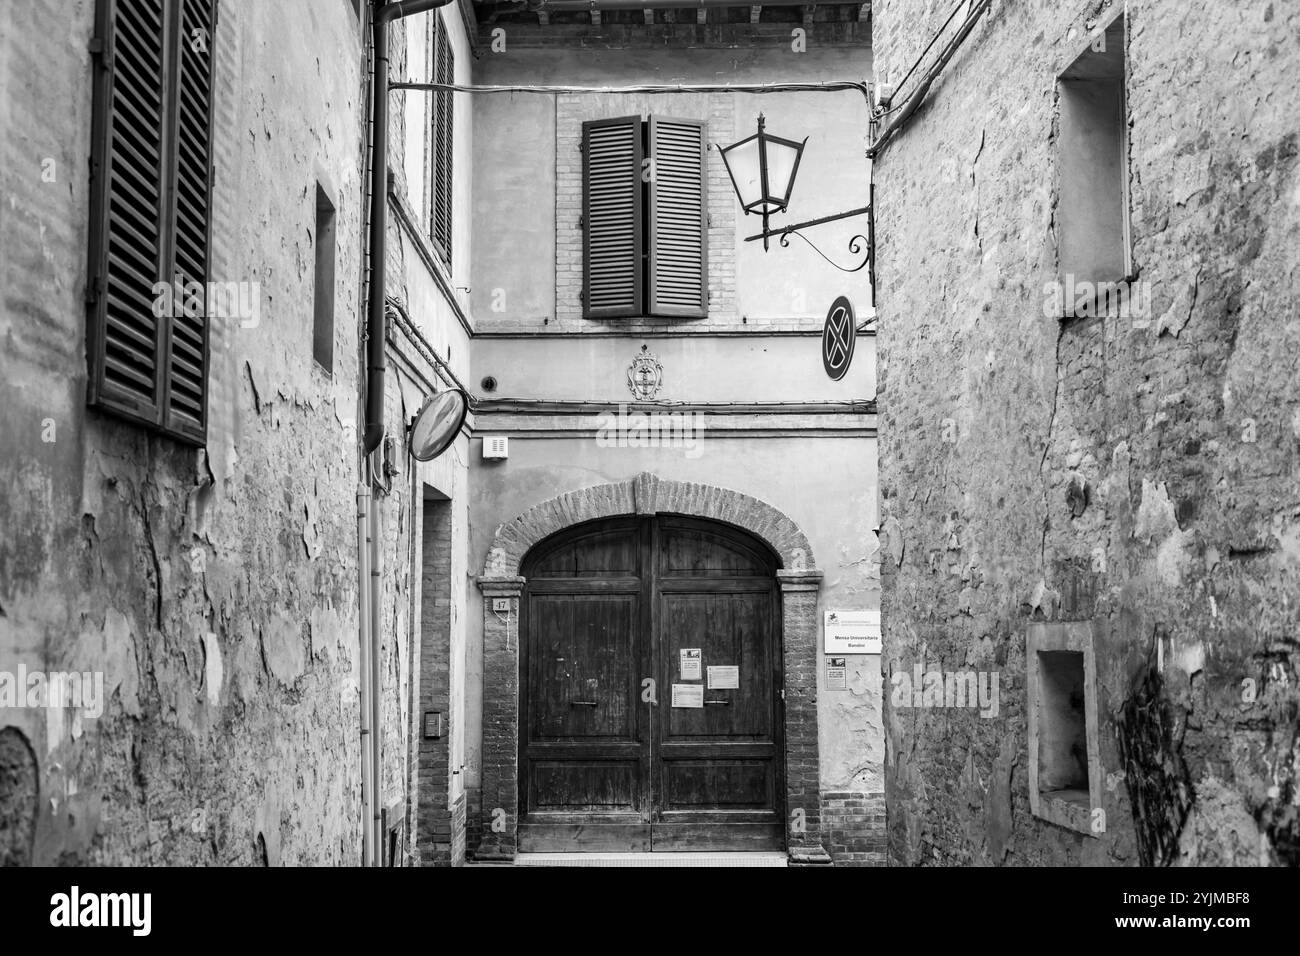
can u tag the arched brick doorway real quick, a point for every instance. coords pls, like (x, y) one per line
(502, 585)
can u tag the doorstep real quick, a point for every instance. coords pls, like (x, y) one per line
(652, 859)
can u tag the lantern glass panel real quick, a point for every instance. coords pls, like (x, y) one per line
(743, 163)
(782, 158)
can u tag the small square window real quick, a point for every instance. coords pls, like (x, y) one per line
(1064, 763)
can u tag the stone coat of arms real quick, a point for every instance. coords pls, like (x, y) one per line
(645, 376)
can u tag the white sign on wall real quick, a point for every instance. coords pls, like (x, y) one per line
(688, 695)
(724, 678)
(690, 663)
(852, 632)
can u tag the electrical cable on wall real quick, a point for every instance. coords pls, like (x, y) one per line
(928, 47)
(830, 86)
(913, 102)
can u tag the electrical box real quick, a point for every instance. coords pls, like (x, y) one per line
(393, 455)
(496, 448)
(432, 725)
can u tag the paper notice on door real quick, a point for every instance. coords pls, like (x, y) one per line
(691, 657)
(724, 678)
(688, 695)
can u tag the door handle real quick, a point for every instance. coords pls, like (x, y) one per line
(583, 703)
(722, 703)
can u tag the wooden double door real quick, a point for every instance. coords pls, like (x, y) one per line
(651, 708)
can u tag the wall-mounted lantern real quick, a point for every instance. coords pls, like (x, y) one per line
(762, 168)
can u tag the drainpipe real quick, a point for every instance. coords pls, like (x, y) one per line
(376, 363)
(363, 592)
(369, 556)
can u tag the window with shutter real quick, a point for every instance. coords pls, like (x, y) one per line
(150, 185)
(612, 217)
(645, 221)
(678, 219)
(441, 192)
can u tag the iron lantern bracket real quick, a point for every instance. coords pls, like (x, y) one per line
(855, 244)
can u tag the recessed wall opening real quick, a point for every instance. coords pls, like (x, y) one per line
(1093, 208)
(1062, 727)
(322, 343)
(19, 794)
(439, 826)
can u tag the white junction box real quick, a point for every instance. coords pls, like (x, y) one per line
(496, 448)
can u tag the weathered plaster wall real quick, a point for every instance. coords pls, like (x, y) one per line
(755, 368)
(1181, 539)
(215, 590)
(426, 289)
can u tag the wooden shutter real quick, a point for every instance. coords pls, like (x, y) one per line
(678, 268)
(612, 246)
(124, 337)
(187, 353)
(443, 195)
(150, 178)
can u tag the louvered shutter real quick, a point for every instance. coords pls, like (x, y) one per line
(187, 365)
(678, 268)
(124, 336)
(150, 175)
(611, 214)
(445, 67)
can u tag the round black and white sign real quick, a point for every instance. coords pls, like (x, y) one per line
(838, 338)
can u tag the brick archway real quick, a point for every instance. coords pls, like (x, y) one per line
(647, 494)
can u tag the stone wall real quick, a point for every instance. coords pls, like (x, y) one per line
(1135, 475)
(214, 590)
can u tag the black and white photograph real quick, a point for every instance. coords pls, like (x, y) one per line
(536, 435)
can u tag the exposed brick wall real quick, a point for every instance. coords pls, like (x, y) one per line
(499, 801)
(473, 820)
(853, 827)
(1180, 539)
(646, 494)
(799, 633)
(458, 835)
(440, 829)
